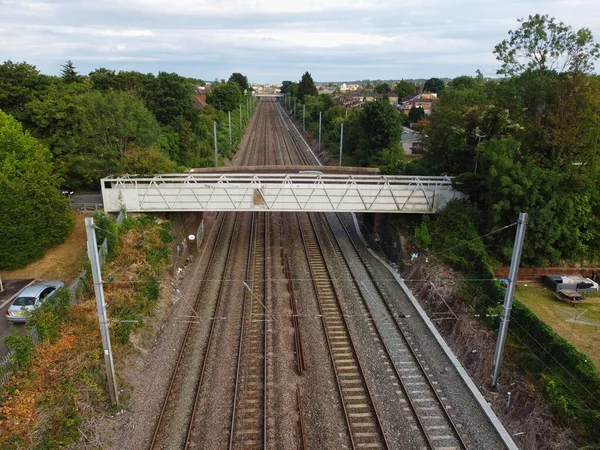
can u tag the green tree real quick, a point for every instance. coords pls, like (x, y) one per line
(405, 89)
(306, 87)
(383, 88)
(33, 214)
(240, 80)
(17, 87)
(225, 97)
(169, 96)
(435, 85)
(289, 87)
(415, 114)
(68, 73)
(103, 79)
(147, 161)
(545, 45)
(463, 82)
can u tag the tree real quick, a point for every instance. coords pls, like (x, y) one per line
(68, 73)
(434, 85)
(240, 80)
(544, 45)
(20, 83)
(463, 82)
(33, 214)
(289, 87)
(377, 127)
(306, 87)
(415, 114)
(169, 96)
(404, 89)
(102, 79)
(383, 88)
(147, 161)
(225, 97)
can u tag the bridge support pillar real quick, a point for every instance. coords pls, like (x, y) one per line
(191, 226)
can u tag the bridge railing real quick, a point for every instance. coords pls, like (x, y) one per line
(305, 191)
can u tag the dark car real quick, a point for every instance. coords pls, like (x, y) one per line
(67, 192)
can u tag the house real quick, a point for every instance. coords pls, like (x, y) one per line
(199, 101)
(426, 101)
(411, 142)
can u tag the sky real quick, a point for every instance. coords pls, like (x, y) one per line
(274, 40)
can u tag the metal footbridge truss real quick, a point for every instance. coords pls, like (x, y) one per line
(278, 192)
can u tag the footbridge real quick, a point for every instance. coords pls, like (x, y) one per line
(255, 94)
(291, 190)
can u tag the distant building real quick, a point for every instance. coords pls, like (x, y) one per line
(199, 101)
(411, 142)
(426, 101)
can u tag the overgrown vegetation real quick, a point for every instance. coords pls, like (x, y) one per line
(61, 382)
(567, 377)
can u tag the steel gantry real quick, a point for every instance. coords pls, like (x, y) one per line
(310, 191)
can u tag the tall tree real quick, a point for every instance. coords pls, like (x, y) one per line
(240, 80)
(383, 88)
(435, 85)
(33, 214)
(404, 89)
(306, 87)
(289, 87)
(545, 45)
(68, 73)
(225, 97)
(415, 114)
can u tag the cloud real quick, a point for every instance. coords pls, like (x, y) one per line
(271, 40)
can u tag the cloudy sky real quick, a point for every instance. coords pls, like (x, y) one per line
(274, 40)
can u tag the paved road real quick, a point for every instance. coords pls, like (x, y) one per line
(11, 287)
(79, 201)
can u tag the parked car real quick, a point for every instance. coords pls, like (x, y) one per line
(30, 298)
(67, 192)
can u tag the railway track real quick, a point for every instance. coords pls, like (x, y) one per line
(249, 416)
(188, 359)
(426, 404)
(361, 417)
(435, 423)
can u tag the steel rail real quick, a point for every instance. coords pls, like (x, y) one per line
(451, 425)
(248, 353)
(221, 227)
(364, 426)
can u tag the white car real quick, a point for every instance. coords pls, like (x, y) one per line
(30, 298)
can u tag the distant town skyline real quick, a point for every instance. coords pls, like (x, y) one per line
(270, 41)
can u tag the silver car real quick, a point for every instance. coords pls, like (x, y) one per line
(30, 298)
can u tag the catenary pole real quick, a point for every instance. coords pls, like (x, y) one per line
(319, 130)
(303, 117)
(229, 117)
(101, 308)
(215, 135)
(508, 297)
(341, 141)
(240, 118)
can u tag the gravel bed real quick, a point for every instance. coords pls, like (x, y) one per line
(212, 425)
(397, 419)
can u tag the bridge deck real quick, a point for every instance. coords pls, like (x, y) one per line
(306, 191)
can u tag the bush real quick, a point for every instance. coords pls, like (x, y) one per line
(23, 347)
(48, 318)
(106, 228)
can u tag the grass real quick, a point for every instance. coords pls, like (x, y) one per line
(62, 262)
(580, 325)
